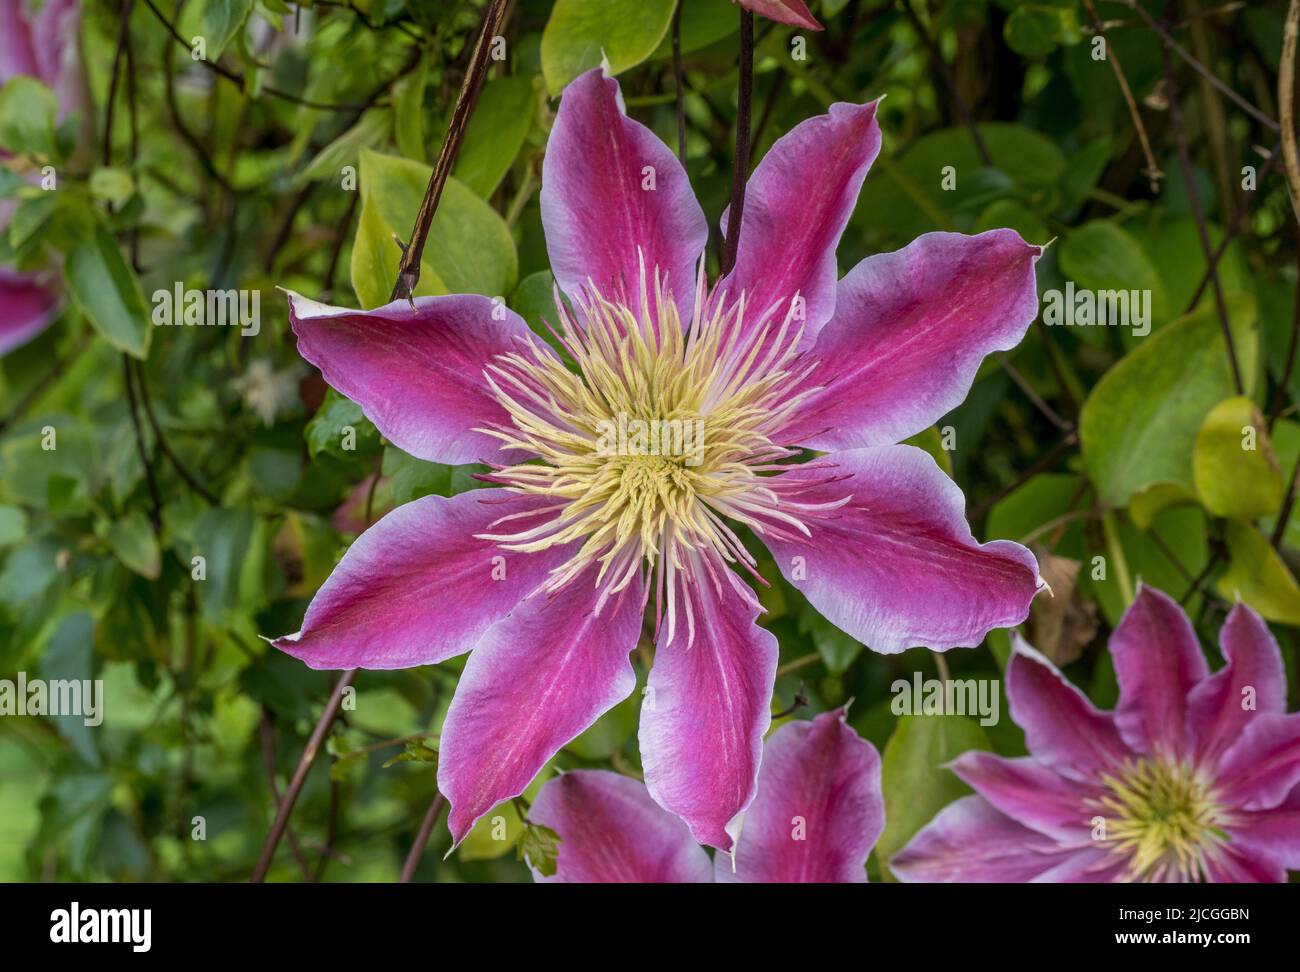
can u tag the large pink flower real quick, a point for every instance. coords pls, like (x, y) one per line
(1193, 777)
(814, 819)
(41, 44)
(625, 470)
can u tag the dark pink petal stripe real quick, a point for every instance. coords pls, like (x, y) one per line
(897, 566)
(797, 203)
(612, 193)
(909, 333)
(707, 705)
(535, 680)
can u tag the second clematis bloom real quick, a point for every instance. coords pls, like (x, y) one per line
(627, 470)
(1193, 777)
(817, 814)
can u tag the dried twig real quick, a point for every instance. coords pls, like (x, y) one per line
(300, 777)
(740, 167)
(422, 838)
(1153, 170)
(408, 271)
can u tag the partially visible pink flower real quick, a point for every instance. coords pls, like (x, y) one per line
(350, 516)
(814, 819)
(792, 12)
(547, 576)
(42, 44)
(1194, 776)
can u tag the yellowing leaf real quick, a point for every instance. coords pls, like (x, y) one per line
(1258, 576)
(1233, 463)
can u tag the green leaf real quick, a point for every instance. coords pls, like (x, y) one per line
(106, 290)
(1235, 469)
(1181, 531)
(838, 650)
(932, 442)
(411, 478)
(373, 128)
(1139, 424)
(580, 32)
(27, 112)
(1028, 159)
(374, 263)
(540, 846)
(133, 541)
(702, 24)
(1033, 30)
(111, 185)
(501, 122)
(417, 751)
(1257, 575)
(499, 829)
(13, 525)
(469, 250)
(222, 20)
(1102, 256)
(914, 777)
(70, 657)
(1173, 245)
(327, 432)
(223, 538)
(408, 112)
(1015, 215)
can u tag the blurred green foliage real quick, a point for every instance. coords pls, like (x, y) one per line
(998, 113)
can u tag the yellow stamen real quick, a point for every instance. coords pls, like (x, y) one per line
(657, 433)
(1162, 817)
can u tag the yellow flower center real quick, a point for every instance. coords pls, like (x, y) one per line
(652, 434)
(1162, 816)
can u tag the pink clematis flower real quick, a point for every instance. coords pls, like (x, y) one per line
(817, 814)
(40, 43)
(597, 510)
(1193, 777)
(792, 12)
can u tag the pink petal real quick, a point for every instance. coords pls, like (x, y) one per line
(1272, 834)
(17, 55)
(55, 32)
(707, 705)
(418, 587)
(1030, 793)
(535, 680)
(416, 373)
(818, 810)
(1063, 729)
(909, 332)
(598, 218)
(26, 308)
(792, 12)
(613, 833)
(1261, 768)
(972, 842)
(1157, 662)
(797, 204)
(897, 566)
(1237, 865)
(1253, 682)
(1087, 865)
